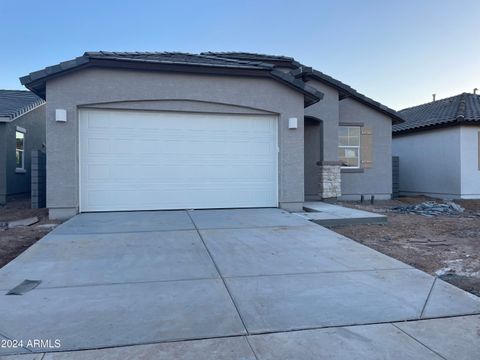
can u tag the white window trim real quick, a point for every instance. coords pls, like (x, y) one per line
(353, 147)
(22, 130)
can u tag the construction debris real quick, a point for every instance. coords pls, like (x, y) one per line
(46, 226)
(23, 222)
(430, 209)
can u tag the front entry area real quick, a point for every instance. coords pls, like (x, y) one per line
(150, 160)
(312, 157)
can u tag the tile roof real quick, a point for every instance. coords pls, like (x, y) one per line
(453, 110)
(302, 71)
(14, 103)
(209, 60)
(177, 58)
(248, 55)
(35, 81)
(278, 60)
(348, 91)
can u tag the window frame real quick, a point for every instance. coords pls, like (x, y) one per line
(358, 147)
(23, 131)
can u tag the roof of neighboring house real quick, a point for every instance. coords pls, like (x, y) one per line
(14, 103)
(463, 108)
(204, 63)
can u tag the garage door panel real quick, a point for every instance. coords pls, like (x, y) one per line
(177, 174)
(150, 198)
(116, 147)
(151, 160)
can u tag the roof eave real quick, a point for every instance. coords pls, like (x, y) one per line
(37, 83)
(448, 123)
(308, 72)
(312, 95)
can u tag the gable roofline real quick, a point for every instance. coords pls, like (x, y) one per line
(26, 102)
(347, 91)
(462, 109)
(173, 62)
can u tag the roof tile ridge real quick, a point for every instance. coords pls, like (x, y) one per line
(27, 108)
(462, 107)
(236, 61)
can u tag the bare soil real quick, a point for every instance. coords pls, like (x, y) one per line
(16, 240)
(446, 246)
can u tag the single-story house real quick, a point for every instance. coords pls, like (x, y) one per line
(22, 129)
(156, 130)
(439, 148)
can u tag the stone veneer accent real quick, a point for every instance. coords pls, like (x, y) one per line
(330, 181)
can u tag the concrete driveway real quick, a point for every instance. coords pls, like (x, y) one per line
(251, 283)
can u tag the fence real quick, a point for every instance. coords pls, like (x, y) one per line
(395, 176)
(38, 178)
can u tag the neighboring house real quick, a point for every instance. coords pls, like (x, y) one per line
(144, 131)
(439, 148)
(22, 129)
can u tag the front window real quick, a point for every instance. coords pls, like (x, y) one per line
(349, 146)
(20, 150)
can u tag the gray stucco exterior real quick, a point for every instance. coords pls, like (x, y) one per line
(377, 179)
(222, 83)
(431, 162)
(332, 112)
(11, 181)
(328, 112)
(134, 89)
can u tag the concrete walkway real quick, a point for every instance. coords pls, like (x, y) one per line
(236, 284)
(326, 214)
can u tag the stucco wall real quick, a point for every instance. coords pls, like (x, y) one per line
(34, 123)
(107, 85)
(376, 180)
(326, 110)
(430, 162)
(469, 153)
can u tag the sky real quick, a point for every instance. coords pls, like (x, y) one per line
(396, 52)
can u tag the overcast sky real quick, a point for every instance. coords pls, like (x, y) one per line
(396, 52)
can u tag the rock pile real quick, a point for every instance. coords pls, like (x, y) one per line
(430, 209)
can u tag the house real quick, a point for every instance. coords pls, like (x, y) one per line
(439, 148)
(144, 131)
(22, 129)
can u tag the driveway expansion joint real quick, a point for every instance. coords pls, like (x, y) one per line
(247, 336)
(120, 283)
(220, 274)
(251, 348)
(418, 341)
(114, 232)
(317, 272)
(428, 297)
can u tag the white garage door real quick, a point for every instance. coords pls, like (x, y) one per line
(144, 160)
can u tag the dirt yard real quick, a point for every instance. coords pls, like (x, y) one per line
(16, 240)
(446, 246)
